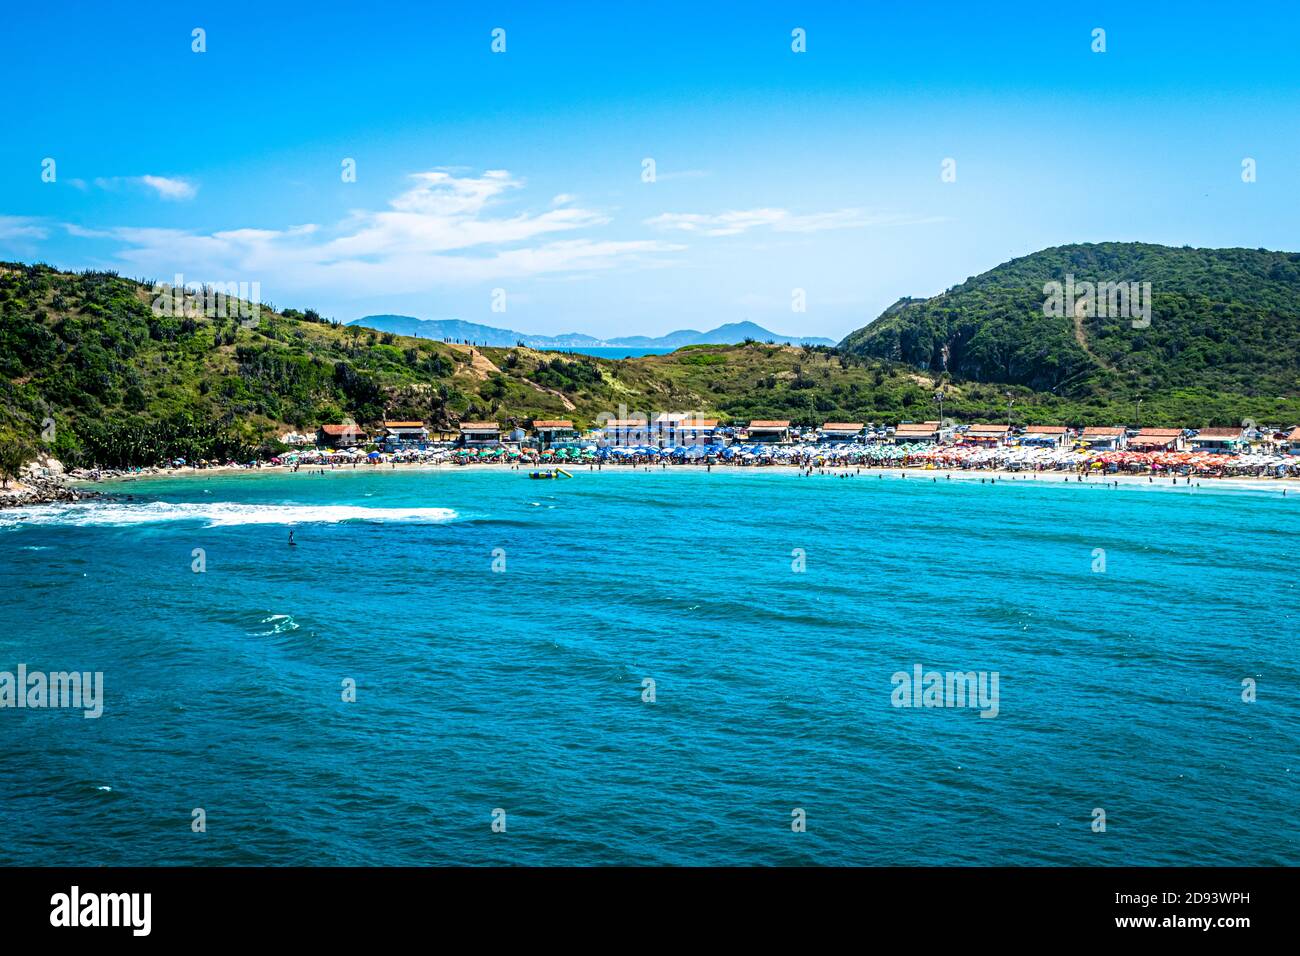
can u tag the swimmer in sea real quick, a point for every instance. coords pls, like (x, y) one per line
(291, 543)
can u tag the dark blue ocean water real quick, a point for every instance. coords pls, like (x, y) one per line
(522, 689)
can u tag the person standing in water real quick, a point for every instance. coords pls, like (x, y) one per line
(291, 544)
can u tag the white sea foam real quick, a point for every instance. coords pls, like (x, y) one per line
(280, 623)
(216, 514)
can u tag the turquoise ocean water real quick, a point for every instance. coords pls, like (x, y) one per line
(521, 688)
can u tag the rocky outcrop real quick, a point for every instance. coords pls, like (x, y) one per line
(43, 482)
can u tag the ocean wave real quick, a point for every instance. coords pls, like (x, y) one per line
(280, 623)
(216, 514)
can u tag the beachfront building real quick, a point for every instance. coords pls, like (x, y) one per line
(840, 431)
(1291, 443)
(405, 433)
(682, 428)
(347, 435)
(1220, 440)
(695, 431)
(671, 429)
(625, 432)
(989, 435)
(480, 434)
(771, 431)
(1045, 436)
(909, 433)
(1104, 438)
(1157, 439)
(552, 430)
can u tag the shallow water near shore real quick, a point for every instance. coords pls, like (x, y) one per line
(521, 688)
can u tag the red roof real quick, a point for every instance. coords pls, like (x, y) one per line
(480, 426)
(1102, 431)
(842, 427)
(1159, 433)
(769, 424)
(403, 424)
(553, 423)
(1219, 433)
(339, 431)
(1045, 429)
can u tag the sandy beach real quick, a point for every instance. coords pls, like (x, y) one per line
(1279, 486)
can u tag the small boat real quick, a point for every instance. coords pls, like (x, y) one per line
(557, 473)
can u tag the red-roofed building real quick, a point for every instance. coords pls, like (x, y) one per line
(693, 431)
(1157, 439)
(626, 432)
(910, 433)
(480, 433)
(768, 430)
(406, 431)
(1104, 438)
(552, 430)
(840, 431)
(1048, 436)
(986, 434)
(346, 435)
(1226, 440)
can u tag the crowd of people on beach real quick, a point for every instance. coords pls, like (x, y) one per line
(813, 457)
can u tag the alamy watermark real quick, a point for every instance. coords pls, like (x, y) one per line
(38, 689)
(631, 429)
(213, 300)
(1107, 300)
(922, 688)
(75, 908)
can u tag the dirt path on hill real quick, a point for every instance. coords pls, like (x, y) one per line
(481, 367)
(1080, 336)
(568, 405)
(479, 364)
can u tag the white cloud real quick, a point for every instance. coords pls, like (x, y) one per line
(165, 187)
(169, 188)
(735, 222)
(445, 228)
(21, 227)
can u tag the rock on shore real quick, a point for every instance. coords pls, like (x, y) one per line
(43, 482)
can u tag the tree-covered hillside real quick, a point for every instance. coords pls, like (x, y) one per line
(122, 384)
(1223, 322)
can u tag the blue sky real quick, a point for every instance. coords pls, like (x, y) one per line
(522, 171)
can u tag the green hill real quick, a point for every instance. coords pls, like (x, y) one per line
(122, 384)
(125, 385)
(1223, 322)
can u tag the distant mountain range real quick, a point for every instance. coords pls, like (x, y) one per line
(454, 329)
